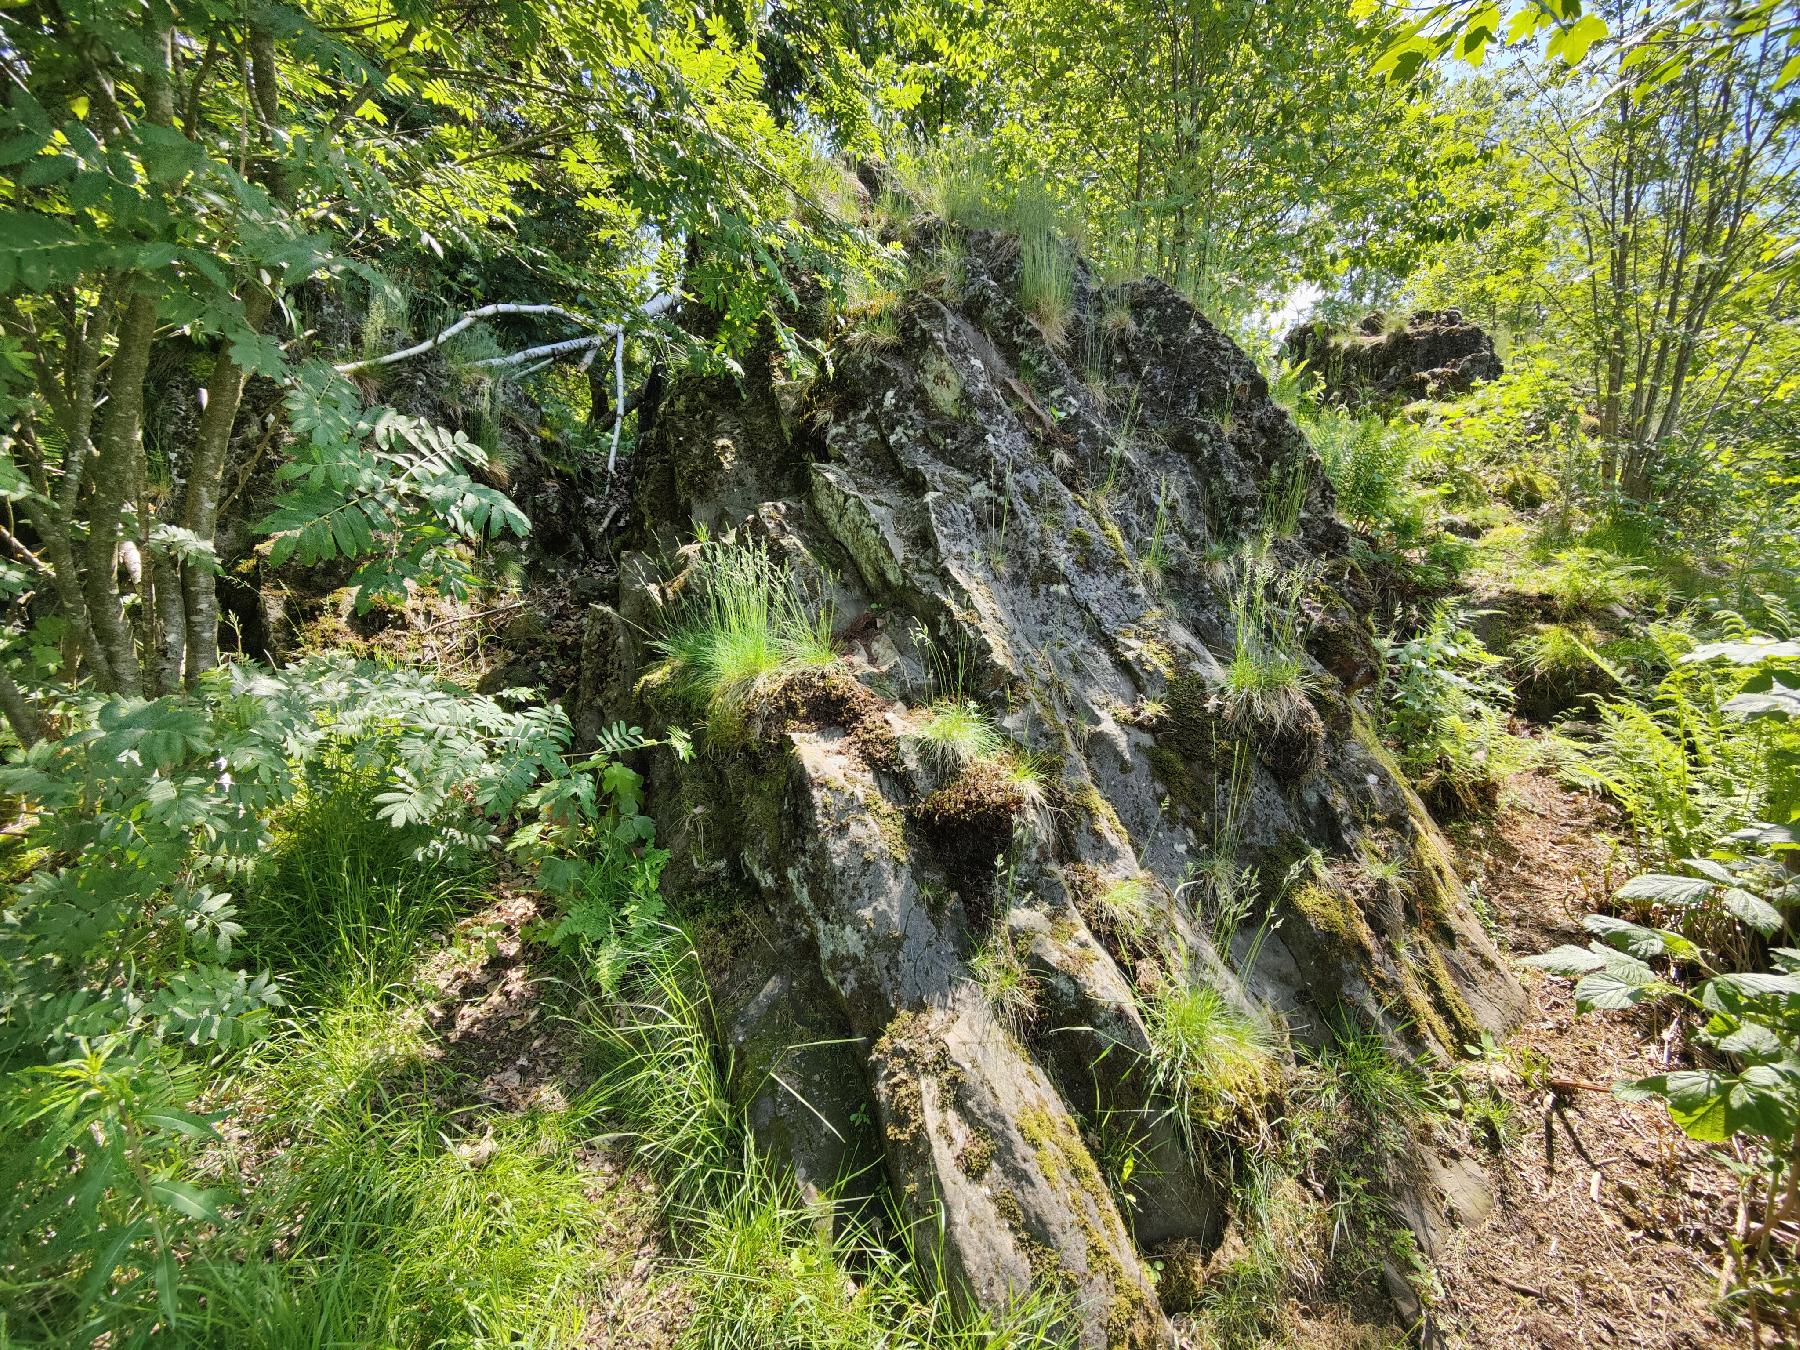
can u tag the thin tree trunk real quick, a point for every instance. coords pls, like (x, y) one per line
(120, 445)
(21, 715)
(200, 507)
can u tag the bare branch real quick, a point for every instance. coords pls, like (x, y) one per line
(650, 308)
(467, 321)
(612, 456)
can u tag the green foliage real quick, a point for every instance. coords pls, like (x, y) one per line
(1707, 756)
(740, 624)
(1445, 703)
(1386, 1095)
(397, 1223)
(757, 1264)
(1215, 1061)
(391, 491)
(1128, 903)
(329, 794)
(956, 733)
(149, 808)
(190, 190)
(91, 1172)
(1700, 935)
(1009, 987)
(1046, 284)
(1371, 462)
(1265, 669)
(340, 898)
(1588, 580)
(1173, 171)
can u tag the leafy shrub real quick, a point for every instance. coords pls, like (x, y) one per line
(394, 491)
(120, 955)
(1371, 463)
(1445, 705)
(1690, 769)
(1699, 945)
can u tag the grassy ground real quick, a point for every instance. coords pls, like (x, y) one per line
(462, 1137)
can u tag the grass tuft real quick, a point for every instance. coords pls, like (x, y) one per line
(1265, 672)
(1217, 1062)
(740, 625)
(1011, 989)
(956, 733)
(1047, 285)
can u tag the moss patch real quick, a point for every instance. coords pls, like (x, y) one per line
(1064, 1159)
(1335, 917)
(811, 700)
(977, 1154)
(969, 825)
(1448, 997)
(1192, 744)
(912, 1054)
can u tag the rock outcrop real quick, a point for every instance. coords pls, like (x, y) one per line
(1434, 354)
(1102, 535)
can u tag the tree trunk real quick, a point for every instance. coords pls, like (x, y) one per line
(120, 447)
(21, 715)
(200, 505)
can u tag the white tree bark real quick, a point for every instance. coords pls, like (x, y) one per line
(650, 309)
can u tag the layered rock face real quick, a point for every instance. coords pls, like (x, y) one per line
(1095, 540)
(1435, 354)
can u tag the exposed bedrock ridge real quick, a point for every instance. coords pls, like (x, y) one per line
(1068, 512)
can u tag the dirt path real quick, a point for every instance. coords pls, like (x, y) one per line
(1606, 1222)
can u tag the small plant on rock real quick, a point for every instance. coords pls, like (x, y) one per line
(1010, 988)
(739, 626)
(1216, 1062)
(1127, 902)
(1265, 672)
(956, 733)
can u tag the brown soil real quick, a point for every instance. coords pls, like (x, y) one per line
(1606, 1220)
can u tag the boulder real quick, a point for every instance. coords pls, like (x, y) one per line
(1090, 533)
(1434, 354)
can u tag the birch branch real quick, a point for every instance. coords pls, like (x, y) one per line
(612, 456)
(650, 309)
(463, 324)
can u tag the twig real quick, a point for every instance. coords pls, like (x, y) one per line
(17, 548)
(470, 618)
(468, 319)
(1530, 1291)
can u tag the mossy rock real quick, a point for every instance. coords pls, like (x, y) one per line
(969, 827)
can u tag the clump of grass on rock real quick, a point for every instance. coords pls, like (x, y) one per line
(740, 627)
